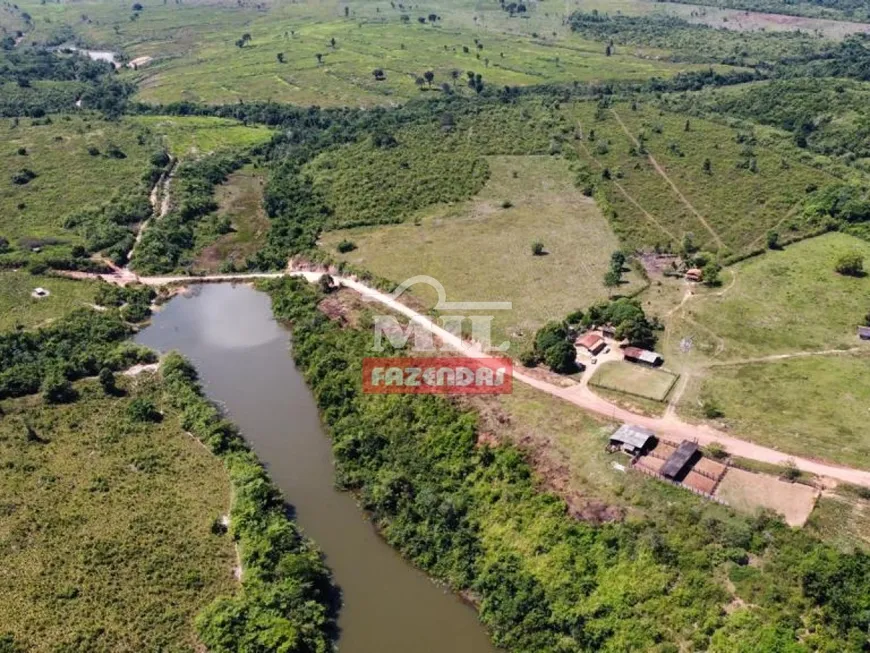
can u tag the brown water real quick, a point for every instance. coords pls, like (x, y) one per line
(243, 359)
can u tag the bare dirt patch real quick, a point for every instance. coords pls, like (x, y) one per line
(750, 492)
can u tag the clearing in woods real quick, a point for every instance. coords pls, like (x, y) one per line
(108, 545)
(784, 302)
(19, 309)
(481, 251)
(761, 355)
(240, 199)
(195, 135)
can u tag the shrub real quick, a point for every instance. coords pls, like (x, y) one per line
(773, 240)
(528, 357)
(37, 267)
(107, 381)
(346, 246)
(716, 451)
(851, 265)
(711, 274)
(790, 471)
(710, 409)
(537, 248)
(23, 176)
(506, 204)
(143, 410)
(56, 388)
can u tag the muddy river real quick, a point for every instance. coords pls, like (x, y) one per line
(243, 359)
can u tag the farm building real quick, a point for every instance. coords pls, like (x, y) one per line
(680, 460)
(632, 439)
(694, 274)
(643, 356)
(592, 342)
(864, 332)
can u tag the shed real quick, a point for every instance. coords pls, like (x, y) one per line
(638, 355)
(632, 439)
(592, 342)
(864, 332)
(694, 274)
(680, 460)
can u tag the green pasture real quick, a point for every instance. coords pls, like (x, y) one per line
(481, 251)
(107, 525)
(68, 177)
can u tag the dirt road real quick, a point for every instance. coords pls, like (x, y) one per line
(668, 425)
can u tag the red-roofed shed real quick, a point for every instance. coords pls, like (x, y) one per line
(592, 342)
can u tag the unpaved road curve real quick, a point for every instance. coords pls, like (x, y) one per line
(668, 425)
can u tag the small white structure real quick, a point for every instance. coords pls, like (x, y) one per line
(39, 293)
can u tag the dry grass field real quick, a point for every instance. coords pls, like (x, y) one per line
(481, 251)
(240, 199)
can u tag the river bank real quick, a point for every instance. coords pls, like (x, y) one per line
(242, 355)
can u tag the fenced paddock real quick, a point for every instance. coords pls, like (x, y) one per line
(749, 492)
(632, 379)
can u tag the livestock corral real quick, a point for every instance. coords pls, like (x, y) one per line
(685, 465)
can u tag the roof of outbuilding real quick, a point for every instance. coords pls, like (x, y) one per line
(679, 459)
(590, 340)
(636, 436)
(641, 354)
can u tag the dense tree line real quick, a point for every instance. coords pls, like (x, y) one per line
(35, 82)
(287, 600)
(548, 583)
(814, 110)
(694, 42)
(79, 345)
(834, 9)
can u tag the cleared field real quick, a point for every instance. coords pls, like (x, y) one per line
(632, 379)
(106, 529)
(68, 174)
(19, 309)
(239, 199)
(196, 56)
(815, 406)
(480, 251)
(193, 135)
(749, 492)
(661, 205)
(783, 302)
